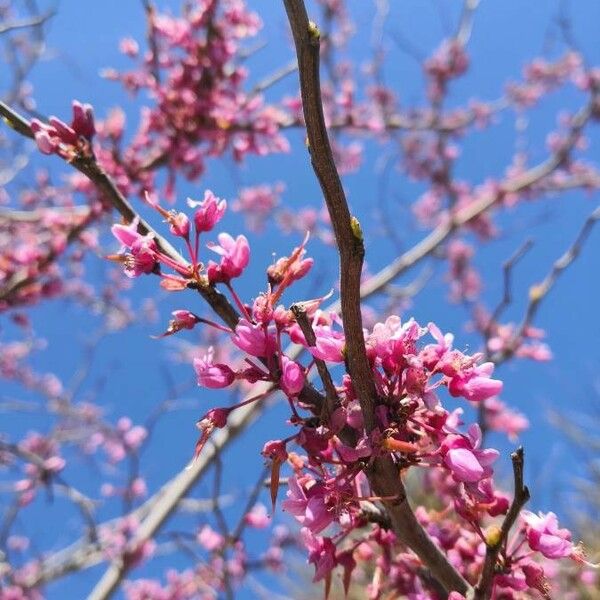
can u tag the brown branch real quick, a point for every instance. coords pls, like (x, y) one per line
(330, 392)
(383, 473)
(484, 587)
(463, 217)
(538, 292)
(507, 269)
(346, 227)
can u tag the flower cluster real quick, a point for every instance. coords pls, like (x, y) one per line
(415, 369)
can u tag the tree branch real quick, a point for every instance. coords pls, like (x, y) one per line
(383, 474)
(484, 588)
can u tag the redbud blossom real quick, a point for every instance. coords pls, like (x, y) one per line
(235, 255)
(475, 384)
(253, 339)
(183, 319)
(464, 459)
(83, 120)
(292, 377)
(144, 251)
(544, 535)
(209, 211)
(212, 375)
(179, 225)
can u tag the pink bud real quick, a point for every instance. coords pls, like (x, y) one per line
(83, 120)
(66, 134)
(292, 377)
(463, 464)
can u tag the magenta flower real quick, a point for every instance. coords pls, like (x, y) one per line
(321, 552)
(209, 212)
(464, 459)
(212, 375)
(329, 344)
(144, 251)
(235, 255)
(475, 384)
(126, 234)
(292, 377)
(308, 506)
(253, 339)
(83, 120)
(543, 535)
(184, 319)
(179, 225)
(56, 135)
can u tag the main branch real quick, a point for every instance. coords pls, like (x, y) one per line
(383, 474)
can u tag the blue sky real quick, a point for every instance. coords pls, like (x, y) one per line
(83, 38)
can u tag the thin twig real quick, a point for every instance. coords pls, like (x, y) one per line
(538, 292)
(311, 339)
(484, 587)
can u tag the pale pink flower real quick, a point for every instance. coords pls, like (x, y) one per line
(544, 535)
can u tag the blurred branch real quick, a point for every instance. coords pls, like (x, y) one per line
(464, 216)
(25, 22)
(538, 292)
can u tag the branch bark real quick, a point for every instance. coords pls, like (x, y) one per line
(383, 474)
(484, 588)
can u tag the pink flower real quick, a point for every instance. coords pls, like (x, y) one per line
(209, 212)
(184, 319)
(475, 384)
(329, 343)
(292, 377)
(253, 339)
(212, 375)
(144, 251)
(308, 506)
(44, 137)
(209, 539)
(235, 255)
(544, 535)
(258, 517)
(179, 224)
(83, 120)
(56, 135)
(464, 459)
(321, 552)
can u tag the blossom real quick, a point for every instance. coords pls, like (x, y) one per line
(235, 255)
(475, 383)
(544, 535)
(144, 251)
(212, 375)
(58, 137)
(292, 377)
(253, 339)
(321, 552)
(464, 459)
(308, 505)
(208, 212)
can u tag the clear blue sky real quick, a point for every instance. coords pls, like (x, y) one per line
(83, 38)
